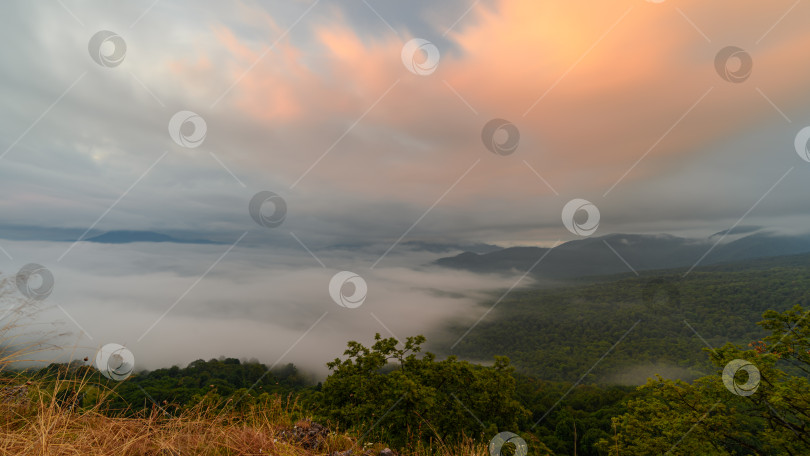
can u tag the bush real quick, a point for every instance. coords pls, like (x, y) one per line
(387, 391)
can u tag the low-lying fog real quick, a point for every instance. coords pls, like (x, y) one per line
(268, 303)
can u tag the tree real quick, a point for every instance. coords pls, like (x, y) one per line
(711, 417)
(393, 392)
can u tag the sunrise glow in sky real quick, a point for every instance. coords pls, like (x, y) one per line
(313, 102)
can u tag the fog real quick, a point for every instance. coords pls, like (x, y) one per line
(268, 303)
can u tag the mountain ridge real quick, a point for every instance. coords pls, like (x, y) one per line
(617, 253)
(130, 236)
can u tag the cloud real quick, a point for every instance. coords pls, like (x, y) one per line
(327, 116)
(613, 83)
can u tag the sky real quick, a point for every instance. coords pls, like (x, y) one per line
(628, 105)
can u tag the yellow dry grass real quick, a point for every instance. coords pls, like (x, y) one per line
(43, 425)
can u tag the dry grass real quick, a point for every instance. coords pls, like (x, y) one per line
(43, 423)
(46, 427)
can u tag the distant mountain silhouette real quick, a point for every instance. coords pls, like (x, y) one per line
(440, 247)
(427, 246)
(593, 256)
(126, 237)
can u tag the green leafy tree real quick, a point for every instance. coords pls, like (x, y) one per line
(707, 418)
(404, 396)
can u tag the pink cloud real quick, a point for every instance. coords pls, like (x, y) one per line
(609, 98)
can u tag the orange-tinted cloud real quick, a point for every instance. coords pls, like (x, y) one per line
(592, 87)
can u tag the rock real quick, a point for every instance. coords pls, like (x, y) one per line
(351, 452)
(14, 395)
(308, 434)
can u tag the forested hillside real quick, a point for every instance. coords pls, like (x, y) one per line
(559, 333)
